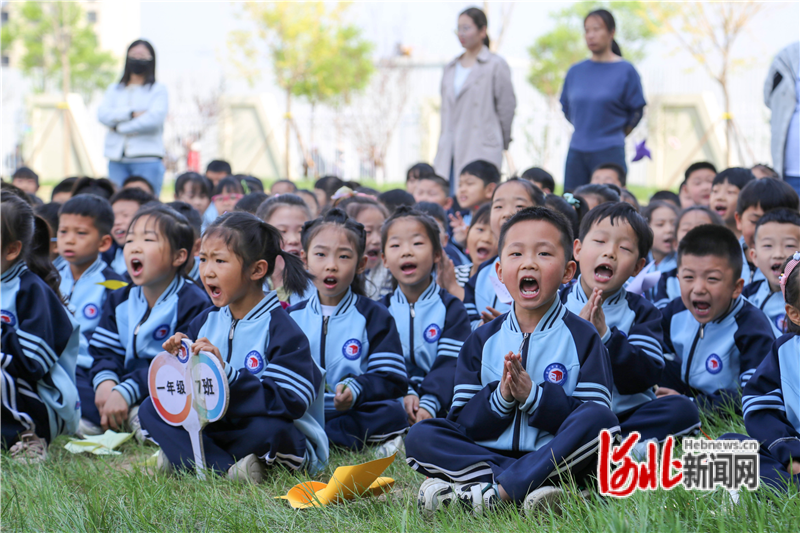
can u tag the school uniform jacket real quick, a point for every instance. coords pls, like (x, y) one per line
(634, 340)
(358, 345)
(479, 292)
(771, 304)
(566, 361)
(667, 289)
(270, 371)
(40, 349)
(718, 357)
(131, 334)
(85, 299)
(771, 400)
(432, 331)
(115, 259)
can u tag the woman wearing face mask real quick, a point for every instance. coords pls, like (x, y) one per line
(134, 111)
(602, 97)
(478, 102)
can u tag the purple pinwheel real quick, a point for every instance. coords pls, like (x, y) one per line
(641, 151)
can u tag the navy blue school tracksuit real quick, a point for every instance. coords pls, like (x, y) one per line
(85, 299)
(131, 334)
(432, 331)
(487, 439)
(634, 339)
(457, 256)
(480, 293)
(358, 346)
(39, 354)
(712, 361)
(667, 289)
(276, 402)
(115, 259)
(771, 402)
(771, 304)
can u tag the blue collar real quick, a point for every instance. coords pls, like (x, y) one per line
(266, 305)
(14, 272)
(175, 285)
(428, 294)
(612, 299)
(344, 306)
(547, 322)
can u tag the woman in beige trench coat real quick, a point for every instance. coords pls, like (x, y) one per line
(478, 102)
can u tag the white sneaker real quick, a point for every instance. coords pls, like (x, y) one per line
(87, 428)
(434, 494)
(135, 425)
(478, 498)
(539, 500)
(390, 447)
(250, 469)
(162, 463)
(639, 450)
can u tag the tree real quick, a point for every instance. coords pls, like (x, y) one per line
(554, 52)
(59, 48)
(708, 32)
(314, 55)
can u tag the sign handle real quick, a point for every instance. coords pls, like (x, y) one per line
(192, 426)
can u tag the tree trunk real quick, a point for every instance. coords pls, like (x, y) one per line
(63, 46)
(288, 131)
(728, 124)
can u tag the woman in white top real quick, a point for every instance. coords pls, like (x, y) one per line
(478, 102)
(134, 111)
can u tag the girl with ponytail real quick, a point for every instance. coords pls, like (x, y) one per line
(39, 341)
(353, 339)
(275, 411)
(603, 99)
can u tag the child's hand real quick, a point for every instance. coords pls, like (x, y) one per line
(102, 393)
(343, 399)
(115, 412)
(490, 314)
(423, 414)
(520, 382)
(411, 404)
(665, 391)
(505, 381)
(446, 273)
(593, 311)
(204, 345)
(459, 228)
(794, 468)
(173, 344)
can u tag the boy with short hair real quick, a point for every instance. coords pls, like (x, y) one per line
(138, 182)
(716, 338)
(697, 183)
(541, 178)
(63, 190)
(438, 214)
(476, 184)
(757, 198)
(26, 179)
(532, 388)
(283, 187)
(196, 221)
(84, 232)
(124, 203)
(413, 174)
(218, 169)
(612, 247)
(725, 191)
(433, 188)
(610, 174)
(776, 238)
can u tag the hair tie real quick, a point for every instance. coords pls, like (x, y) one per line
(788, 272)
(572, 200)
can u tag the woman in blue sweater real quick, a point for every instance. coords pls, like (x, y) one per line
(602, 97)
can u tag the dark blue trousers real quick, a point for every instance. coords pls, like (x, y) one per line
(22, 410)
(86, 392)
(275, 440)
(369, 423)
(440, 448)
(656, 419)
(771, 472)
(580, 165)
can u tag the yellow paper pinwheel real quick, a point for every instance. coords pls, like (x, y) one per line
(347, 483)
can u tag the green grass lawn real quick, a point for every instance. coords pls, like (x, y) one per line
(92, 493)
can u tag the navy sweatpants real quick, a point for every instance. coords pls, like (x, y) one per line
(369, 423)
(275, 440)
(656, 419)
(771, 471)
(86, 392)
(440, 448)
(22, 410)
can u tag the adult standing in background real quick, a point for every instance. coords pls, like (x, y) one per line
(478, 102)
(134, 111)
(603, 99)
(782, 96)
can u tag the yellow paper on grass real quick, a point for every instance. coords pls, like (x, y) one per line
(347, 483)
(112, 284)
(104, 444)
